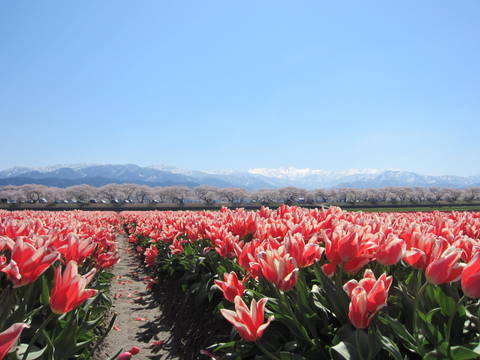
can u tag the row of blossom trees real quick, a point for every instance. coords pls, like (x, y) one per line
(209, 195)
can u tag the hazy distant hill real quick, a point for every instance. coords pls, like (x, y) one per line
(98, 175)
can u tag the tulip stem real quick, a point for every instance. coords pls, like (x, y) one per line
(369, 333)
(450, 323)
(415, 307)
(285, 303)
(39, 330)
(358, 342)
(266, 352)
(7, 297)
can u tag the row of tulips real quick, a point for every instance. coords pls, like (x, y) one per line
(54, 282)
(305, 284)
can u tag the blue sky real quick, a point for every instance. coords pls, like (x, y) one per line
(242, 84)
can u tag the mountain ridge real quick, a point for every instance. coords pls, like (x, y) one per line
(253, 179)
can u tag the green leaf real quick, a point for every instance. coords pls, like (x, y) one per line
(93, 323)
(45, 296)
(34, 353)
(433, 355)
(344, 350)
(400, 330)
(443, 348)
(285, 355)
(447, 303)
(463, 353)
(390, 346)
(431, 332)
(337, 298)
(223, 346)
(81, 345)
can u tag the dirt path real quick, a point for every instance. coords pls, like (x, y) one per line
(137, 313)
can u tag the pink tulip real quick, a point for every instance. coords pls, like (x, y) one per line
(28, 261)
(470, 278)
(69, 290)
(231, 287)
(390, 250)
(445, 267)
(279, 268)
(347, 247)
(305, 254)
(9, 337)
(248, 322)
(368, 296)
(151, 255)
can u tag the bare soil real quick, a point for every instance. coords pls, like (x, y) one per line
(137, 313)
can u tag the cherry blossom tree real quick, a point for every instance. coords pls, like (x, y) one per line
(265, 196)
(291, 195)
(143, 193)
(80, 192)
(177, 194)
(109, 192)
(232, 195)
(126, 191)
(34, 192)
(207, 194)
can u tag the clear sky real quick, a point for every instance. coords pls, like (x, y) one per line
(242, 84)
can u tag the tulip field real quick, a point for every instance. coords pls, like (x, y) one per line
(298, 283)
(47, 261)
(290, 283)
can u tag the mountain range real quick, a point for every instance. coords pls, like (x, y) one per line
(253, 179)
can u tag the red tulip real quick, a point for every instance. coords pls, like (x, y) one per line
(470, 279)
(423, 248)
(151, 255)
(443, 264)
(243, 224)
(106, 260)
(390, 250)
(6, 243)
(9, 337)
(69, 290)
(77, 249)
(348, 247)
(30, 262)
(11, 269)
(177, 246)
(132, 239)
(248, 322)
(358, 313)
(368, 296)
(305, 254)
(225, 243)
(279, 268)
(14, 229)
(247, 258)
(231, 287)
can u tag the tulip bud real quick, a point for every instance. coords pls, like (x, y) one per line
(134, 350)
(125, 356)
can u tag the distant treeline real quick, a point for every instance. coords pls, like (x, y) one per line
(208, 195)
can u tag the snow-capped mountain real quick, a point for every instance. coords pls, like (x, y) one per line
(295, 173)
(259, 178)
(315, 178)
